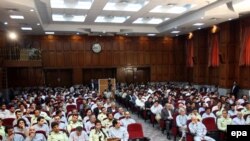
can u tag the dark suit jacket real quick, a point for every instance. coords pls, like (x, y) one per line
(96, 111)
(165, 114)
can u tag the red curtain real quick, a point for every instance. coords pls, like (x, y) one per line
(189, 53)
(245, 47)
(213, 60)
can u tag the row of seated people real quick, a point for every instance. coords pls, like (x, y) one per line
(49, 117)
(225, 110)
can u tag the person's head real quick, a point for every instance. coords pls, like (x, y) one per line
(240, 115)
(37, 113)
(98, 125)
(40, 121)
(18, 114)
(156, 103)
(208, 110)
(104, 110)
(79, 130)
(113, 105)
(195, 111)
(224, 113)
(92, 118)
(21, 123)
(32, 130)
(9, 130)
(99, 105)
(182, 111)
(127, 114)
(194, 119)
(248, 106)
(120, 110)
(116, 123)
(12, 108)
(74, 111)
(57, 119)
(232, 107)
(74, 118)
(3, 107)
(55, 127)
(88, 112)
(59, 113)
(110, 116)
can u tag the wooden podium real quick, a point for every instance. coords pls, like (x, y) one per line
(103, 85)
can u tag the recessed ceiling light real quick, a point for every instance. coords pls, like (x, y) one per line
(125, 6)
(175, 31)
(5, 23)
(12, 35)
(38, 24)
(202, 17)
(111, 19)
(199, 28)
(31, 10)
(151, 34)
(68, 18)
(172, 8)
(16, 17)
(79, 4)
(26, 28)
(149, 20)
(50, 33)
(230, 19)
(198, 24)
(176, 35)
(126, 34)
(77, 33)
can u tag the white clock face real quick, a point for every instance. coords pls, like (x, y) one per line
(96, 48)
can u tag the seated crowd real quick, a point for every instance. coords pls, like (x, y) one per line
(79, 114)
(174, 106)
(75, 114)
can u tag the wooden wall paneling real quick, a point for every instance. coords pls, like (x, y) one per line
(140, 58)
(75, 59)
(77, 76)
(68, 59)
(66, 45)
(101, 59)
(123, 58)
(52, 57)
(87, 59)
(59, 59)
(81, 58)
(147, 58)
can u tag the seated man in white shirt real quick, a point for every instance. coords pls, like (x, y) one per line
(11, 114)
(3, 111)
(139, 102)
(127, 120)
(119, 114)
(199, 130)
(78, 135)
(61, 124)
(42, 125)
(239, 120)
(156, 109)
(118, 131)
(74, 123)
(90, 123)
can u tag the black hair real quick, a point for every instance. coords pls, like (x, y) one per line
(53, 124)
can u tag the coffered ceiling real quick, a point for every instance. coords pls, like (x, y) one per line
(117, 17)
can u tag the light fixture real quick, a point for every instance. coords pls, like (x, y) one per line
(199, 28)
(111, 19)
(148, 20)
(175, 31)
(151, 34)
(68, 18)
(125, 5)
(202, 17)
(16, 17)
(172, 8)
(5, 23)
(198, 24)
(214, 29)
(26, 28)
(32, 10)
(49, 33)
(230, 19)
(12, 35)
(86, 4)
(38, 24)
(190, 35)
(77, 33)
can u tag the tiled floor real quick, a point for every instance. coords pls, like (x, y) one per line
(154, 133)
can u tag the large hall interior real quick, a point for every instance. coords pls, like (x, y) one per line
(123, 70)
